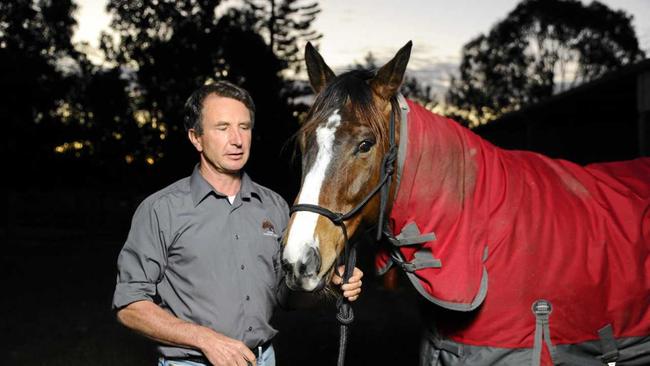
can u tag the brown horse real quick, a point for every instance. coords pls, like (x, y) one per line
(566, 248)
(341, 162)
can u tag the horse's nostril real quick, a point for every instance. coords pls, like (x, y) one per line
(302, 268)
(311, 263)
(308, 265)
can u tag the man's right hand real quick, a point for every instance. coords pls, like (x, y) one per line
(154, 322)
(224, 351)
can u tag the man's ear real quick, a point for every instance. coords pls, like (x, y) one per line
(390, 76)
(195, 140)
(319, 73)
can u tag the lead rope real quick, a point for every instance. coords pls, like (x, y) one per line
(345, 314)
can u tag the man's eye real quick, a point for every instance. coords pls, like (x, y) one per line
(365, 145)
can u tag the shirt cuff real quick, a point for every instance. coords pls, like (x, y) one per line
(129, 292)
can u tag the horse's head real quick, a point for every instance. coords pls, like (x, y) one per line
(343, 141)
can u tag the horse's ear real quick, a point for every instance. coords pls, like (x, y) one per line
(389, 78)
(319, 73)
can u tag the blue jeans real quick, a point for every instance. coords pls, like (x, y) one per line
(267, 359)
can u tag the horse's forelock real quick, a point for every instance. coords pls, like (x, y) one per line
(348, 89)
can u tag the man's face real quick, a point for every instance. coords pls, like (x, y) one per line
(227, 129)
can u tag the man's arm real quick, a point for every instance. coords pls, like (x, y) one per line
(152, 321)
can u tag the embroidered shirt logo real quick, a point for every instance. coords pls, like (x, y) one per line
(268, 229)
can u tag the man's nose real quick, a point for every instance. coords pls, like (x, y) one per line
(235, 137)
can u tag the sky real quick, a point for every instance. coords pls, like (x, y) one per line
(438, 29)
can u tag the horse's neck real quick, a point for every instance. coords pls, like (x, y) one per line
(445, 166)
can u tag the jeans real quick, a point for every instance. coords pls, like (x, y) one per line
(267, 359)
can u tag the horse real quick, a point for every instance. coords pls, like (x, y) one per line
(531, 260)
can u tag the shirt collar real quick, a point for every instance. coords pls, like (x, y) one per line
(248, 188)
(200, 188)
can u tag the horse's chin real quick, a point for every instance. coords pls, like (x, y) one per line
(321, 285)
(310, 284)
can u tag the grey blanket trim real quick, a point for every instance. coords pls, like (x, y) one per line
(403, 140)
(478, 300)
(633, 351)
(608, 344)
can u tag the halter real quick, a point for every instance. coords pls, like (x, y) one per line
(345, 315)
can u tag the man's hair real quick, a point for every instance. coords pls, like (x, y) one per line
(222, 88)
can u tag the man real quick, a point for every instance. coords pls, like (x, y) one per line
(200, 270)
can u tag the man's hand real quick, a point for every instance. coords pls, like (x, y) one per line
(224, 351)
(156, 323)
(352, 289)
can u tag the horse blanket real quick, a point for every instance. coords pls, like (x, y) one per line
(548, 261)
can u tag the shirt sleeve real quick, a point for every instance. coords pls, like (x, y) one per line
(282, 293)
(142, 261)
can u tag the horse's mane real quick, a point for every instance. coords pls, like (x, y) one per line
(352, 87)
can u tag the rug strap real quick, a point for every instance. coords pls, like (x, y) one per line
(542, 310)
(608, 345)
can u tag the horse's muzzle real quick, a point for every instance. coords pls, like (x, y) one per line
(303, 273)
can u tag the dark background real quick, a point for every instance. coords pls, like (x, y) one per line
(57, 312)
(83, 144)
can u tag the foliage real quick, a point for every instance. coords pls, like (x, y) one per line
(38, 66)
(122, 120)
(169, 48)
(287, 26)
(412, 88)
(34, 38)
(542, 47)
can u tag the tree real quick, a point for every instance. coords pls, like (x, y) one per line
(165, 49)
(412, 88)
(415, 90)
(287, 26)
(168, 49)
(37, 62)
(542, 47)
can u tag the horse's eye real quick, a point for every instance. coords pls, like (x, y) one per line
(365, 145)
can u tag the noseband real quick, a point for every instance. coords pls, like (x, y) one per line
(345, 315)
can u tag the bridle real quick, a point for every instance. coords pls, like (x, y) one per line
(345, 315)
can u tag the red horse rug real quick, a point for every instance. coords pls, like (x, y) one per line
(541, 261)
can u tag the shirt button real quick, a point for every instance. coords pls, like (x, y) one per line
(248, 297)
(242, 267)
(250, 329)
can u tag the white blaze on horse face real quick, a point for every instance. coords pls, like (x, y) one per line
(301, 235)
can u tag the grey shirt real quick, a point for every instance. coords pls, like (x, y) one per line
(205, 260)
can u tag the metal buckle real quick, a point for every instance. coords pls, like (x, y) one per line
(542, 307)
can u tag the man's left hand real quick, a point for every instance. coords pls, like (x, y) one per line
(352, 289)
